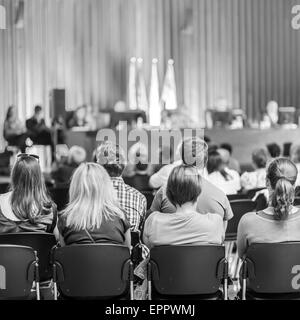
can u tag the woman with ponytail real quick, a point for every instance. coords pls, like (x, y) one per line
(280, 222)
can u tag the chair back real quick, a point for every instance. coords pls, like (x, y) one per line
(233, 197)
(42, 243)
(17, 271)
(297, 202)
(273, 268)
(187, 270)
(239, 208)
(92, 271)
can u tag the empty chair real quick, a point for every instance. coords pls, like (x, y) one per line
(42, 243)
(187, 272)
(239, 208)
(272, 271)
(94, 271)
(18, 272)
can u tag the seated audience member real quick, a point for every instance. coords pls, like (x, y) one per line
(233, 164)
(256, 179)
(28, 207)
(295, 157)
(38, 132)
(185, 226)
(140, 179)
(219, 175)
(274, 150)
(14, 132)
(280, 222)
(160, 178)
(212, 199)
(79, 118)
(93, 214)
(62, 176)
(134, 204)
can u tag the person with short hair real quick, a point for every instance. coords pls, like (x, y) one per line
(274, 150)
(256, 179)
(38, 132)
(280, 222)
(63, 174)
(233, 163)
(220, 175)
(184, 226)
(28, 206)
(112, 158)
(194, 151)
(93, 214)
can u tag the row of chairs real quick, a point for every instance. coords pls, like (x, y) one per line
(102, 271)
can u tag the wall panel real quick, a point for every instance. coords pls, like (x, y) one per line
(243, 51)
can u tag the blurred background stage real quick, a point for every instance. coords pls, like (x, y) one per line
(227, 56)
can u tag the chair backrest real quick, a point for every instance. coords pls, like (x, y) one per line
(251, 193)
(92, 271)
(187, 270)
(239, 208)
(297, 202)
(233, 197)
(274, 268)
(42, 243)
(60, 196)
(17, 270)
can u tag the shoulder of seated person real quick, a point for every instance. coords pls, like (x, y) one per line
(217, 191)
(248, 217)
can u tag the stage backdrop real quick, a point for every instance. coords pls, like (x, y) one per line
(244, 51)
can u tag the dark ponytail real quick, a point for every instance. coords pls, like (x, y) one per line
(282, 175)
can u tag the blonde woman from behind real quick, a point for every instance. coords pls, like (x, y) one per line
(93, 214)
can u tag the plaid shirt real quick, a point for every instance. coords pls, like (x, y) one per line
(134, 204)
(132, 201)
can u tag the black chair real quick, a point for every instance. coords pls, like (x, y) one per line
(297, 202)
(271, 271)
(94, 271)
(239, 208)
(251, 193)
(187, 272)
(60, 196)
(42, 244)
(18, 272)
(233, 197)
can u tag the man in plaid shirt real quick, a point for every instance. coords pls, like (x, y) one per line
(112, 158)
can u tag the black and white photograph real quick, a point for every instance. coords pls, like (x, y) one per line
(149, 153)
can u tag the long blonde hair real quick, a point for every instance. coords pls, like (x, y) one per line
(92, 198)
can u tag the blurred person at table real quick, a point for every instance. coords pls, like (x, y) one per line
(14, 131)
(63, 174)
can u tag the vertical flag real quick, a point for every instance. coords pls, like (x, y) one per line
(169, 93)
(142, 100)
(154, 99)
(132, 101)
